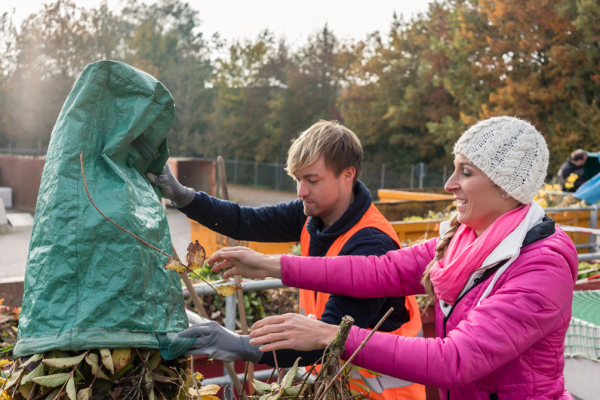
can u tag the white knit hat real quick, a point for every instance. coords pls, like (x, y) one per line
(510, 151)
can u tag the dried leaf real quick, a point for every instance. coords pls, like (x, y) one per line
(33, 358)
(92, 360)
(209, 398)
(64, 362)
(288, 379)
(2, 300)
(209, 390)
(227, 290)
(107, 360)
(120, 358)
(71, 391)
(152, 396)
(162, 378)
(13, 379)
(261, 387)
(84, 394)
(295, 390)
(174, 265)
(198, 376)
(52, 380)
(195, 256)
(39, 371)
(4, 363)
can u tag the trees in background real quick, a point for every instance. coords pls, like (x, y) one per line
(408, 91)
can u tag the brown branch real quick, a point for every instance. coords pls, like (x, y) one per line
(364, 342)
(108, 219)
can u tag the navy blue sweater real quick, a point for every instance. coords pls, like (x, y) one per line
(284, 223)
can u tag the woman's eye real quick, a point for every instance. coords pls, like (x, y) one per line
(465, 172)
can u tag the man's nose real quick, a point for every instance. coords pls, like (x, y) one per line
(302, 189)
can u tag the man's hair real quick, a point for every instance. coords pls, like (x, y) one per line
(339, 146)
(578, 155)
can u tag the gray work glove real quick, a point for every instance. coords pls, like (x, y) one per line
(171, 188)
(219, 343)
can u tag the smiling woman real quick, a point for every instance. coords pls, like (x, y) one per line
(502, 274)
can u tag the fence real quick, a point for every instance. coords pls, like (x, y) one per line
(273, 176)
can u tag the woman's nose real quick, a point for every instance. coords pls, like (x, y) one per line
(452, 183)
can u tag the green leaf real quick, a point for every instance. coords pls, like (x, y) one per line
(288, 379)
(57, 354)
(122, 372)
(107, 360)
(25, 389)
(38, 371)
(261, 387)
(71, 391)
(5, 349)
(84, 394)
(13, 379)
(154, 360)
(64, 362)
(53, 395)
(52, 380)
(360, 385)
(92, 359)
(33, 358)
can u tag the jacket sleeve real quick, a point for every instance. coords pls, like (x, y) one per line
(524, 309)
(397, 273)
(279, 223)
(364, 311)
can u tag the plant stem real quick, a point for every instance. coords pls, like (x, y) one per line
(364, 342)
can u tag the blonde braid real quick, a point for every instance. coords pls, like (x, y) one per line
(440, 252)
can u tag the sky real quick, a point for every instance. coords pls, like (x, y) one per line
(294, 20)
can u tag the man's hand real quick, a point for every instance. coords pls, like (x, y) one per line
(292, 331)
(245, 262)
(219, 343)
(171, 188)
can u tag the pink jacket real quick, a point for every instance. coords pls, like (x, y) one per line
(509, 347)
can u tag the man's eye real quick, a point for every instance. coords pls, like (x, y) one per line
(312, 181)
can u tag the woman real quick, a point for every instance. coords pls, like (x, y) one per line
(501, 272)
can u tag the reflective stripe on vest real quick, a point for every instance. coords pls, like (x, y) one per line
(383, 387)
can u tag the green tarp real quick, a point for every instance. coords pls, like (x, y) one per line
(88, 284)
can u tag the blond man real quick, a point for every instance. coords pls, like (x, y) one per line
(333, 215)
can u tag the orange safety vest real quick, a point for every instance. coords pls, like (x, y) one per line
(381, 387)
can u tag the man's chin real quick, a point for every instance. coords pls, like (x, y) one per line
(309, 212)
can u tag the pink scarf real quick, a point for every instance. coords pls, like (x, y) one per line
(467, 252)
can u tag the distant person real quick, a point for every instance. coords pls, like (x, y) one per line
(573, 165)
(333, 216)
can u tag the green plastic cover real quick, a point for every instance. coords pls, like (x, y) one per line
(88, 284)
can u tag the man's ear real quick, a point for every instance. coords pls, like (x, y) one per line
(349, 173)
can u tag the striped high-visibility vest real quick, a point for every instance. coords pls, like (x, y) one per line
(382, 387)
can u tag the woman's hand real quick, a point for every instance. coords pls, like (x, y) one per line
(292, 331)
(245, 262)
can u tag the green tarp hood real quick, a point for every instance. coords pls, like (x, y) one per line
(87, 283)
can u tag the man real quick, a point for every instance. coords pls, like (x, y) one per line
(334, 215)
(573, 165)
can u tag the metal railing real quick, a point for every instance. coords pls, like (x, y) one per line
(230, 316)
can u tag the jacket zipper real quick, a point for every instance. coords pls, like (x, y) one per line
(477, 281)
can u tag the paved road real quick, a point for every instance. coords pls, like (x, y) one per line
(14, 246)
